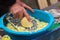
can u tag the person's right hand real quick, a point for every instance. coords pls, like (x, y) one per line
(19, 11)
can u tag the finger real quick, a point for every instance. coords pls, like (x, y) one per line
(26, 6)
(20, 14)
(15, 15)
(27, 15)
(29, 8)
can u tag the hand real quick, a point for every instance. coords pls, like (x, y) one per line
(19, 10)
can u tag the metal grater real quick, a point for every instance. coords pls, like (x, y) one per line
(16, 22)
(13, 21)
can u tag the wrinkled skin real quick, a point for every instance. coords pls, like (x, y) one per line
(18, 10)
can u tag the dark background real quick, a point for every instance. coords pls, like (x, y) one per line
(5, 4)
(31, 3)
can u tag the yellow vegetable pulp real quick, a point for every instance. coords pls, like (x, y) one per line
(6, 37)
(26, 23)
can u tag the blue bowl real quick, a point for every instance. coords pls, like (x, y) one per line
(38, 14)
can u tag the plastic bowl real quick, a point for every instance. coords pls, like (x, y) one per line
(38, 14)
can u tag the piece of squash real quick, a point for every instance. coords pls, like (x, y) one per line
(26, 23)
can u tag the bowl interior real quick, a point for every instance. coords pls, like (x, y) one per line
(41, 16)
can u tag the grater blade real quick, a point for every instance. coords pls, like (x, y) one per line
(16, 22)
(12, 20)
